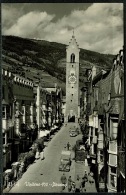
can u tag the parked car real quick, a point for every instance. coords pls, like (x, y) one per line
(65, 161)
(73, 133)
(80, 153)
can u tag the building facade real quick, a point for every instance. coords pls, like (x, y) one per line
(106, 136)
(18, 122)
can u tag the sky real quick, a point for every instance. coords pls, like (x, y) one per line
(97, 26)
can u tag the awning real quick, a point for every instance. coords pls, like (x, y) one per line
(8, 171)
(4, 102)
(15, 163)
(42, 134)
(47, 132)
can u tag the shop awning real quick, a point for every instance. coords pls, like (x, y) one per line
(42, 134)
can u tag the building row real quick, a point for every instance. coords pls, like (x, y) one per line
(27, 109)
(103, 111)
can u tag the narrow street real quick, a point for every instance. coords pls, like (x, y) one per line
(45, 173)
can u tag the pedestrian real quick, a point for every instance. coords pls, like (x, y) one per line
(91, 179)
(68, 146)
(73, 187)
(85, 178)
(83, 185)
(69, 184)
(37, 156)
(63, 181)
(42, 155)
(78, 185)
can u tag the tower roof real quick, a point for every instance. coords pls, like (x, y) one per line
(73, 43)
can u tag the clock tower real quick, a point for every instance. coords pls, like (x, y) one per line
(72, 82)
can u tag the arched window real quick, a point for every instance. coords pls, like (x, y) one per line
(72, 58)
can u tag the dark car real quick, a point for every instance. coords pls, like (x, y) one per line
(65, 161)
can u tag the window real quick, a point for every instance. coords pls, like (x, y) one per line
(72, 94)
(114, 129)
(101, 155)
(4, 112)
(72, 87)
(113, 169)
(3, 138)
(3, 92)
(71, 100)
(113, 178)
(72, 60)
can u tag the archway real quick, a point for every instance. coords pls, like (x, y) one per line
(71, 118)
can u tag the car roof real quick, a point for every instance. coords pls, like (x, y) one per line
(66, 153)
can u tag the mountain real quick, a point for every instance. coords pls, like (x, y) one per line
(46, 61)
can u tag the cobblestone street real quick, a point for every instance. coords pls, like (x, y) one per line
(47, 171)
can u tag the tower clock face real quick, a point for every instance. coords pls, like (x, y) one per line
(72, 79)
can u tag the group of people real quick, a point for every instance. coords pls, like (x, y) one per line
(79, 184)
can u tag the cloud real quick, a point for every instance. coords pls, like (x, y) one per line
(98, 28)
(28, 25)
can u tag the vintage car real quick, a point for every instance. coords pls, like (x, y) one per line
(80, 153)
(65, 161)
(73, 133)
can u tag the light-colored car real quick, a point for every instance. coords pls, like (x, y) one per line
(73, 133)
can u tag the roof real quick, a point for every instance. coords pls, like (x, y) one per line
(73, 42)
(67, 153)
(99, 76)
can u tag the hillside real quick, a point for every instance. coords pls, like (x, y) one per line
(46, 61)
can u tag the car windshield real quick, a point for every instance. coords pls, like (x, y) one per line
(65, 161)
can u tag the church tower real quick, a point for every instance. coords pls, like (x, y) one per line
(72, 82)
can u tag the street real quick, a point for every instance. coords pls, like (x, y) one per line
(46, 172)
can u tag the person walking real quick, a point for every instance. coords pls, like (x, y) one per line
(63, 181)
(68, 146)
(73, 187)
(91, 179)
(69, 183)
(78, 185)
(42, 155)
(83, 185)
(85, 178)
